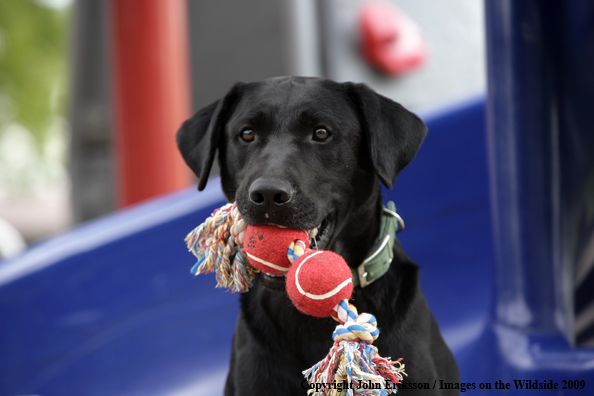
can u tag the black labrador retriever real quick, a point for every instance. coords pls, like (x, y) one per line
(305, 153)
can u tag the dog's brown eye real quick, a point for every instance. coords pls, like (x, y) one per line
(321, 134)
(248, 135)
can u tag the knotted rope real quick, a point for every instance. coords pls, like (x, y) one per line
(352, 358)
(216, 243)
(354, 327)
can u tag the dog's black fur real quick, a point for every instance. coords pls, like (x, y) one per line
(280, 170)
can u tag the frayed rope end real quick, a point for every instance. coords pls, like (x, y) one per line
(216, 243)
(353, 360)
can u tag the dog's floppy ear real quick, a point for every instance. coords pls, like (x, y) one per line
(394, 134)
(198, 137)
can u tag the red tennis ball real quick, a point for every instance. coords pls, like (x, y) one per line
(318, 281)
(266, 247)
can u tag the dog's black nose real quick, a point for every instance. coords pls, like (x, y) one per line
(270, 193)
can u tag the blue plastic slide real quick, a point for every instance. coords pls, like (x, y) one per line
(110, 308)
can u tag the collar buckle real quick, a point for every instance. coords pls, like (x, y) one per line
(370, 274)
(378, 262)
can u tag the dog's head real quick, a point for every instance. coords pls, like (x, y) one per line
(302, 152)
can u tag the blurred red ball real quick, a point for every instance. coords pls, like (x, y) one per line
(318, 281)
(266, 247)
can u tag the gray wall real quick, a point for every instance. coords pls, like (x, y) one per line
(250, 40)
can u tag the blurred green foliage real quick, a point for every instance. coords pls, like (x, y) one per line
(33, 65)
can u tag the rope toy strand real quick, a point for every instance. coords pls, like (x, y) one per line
(216, 243)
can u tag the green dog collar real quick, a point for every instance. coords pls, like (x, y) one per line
(378, 262)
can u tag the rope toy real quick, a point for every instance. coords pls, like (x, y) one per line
(318, 283)
(322, 289)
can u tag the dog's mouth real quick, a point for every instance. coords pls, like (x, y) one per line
(319, 236)
(318, 239)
